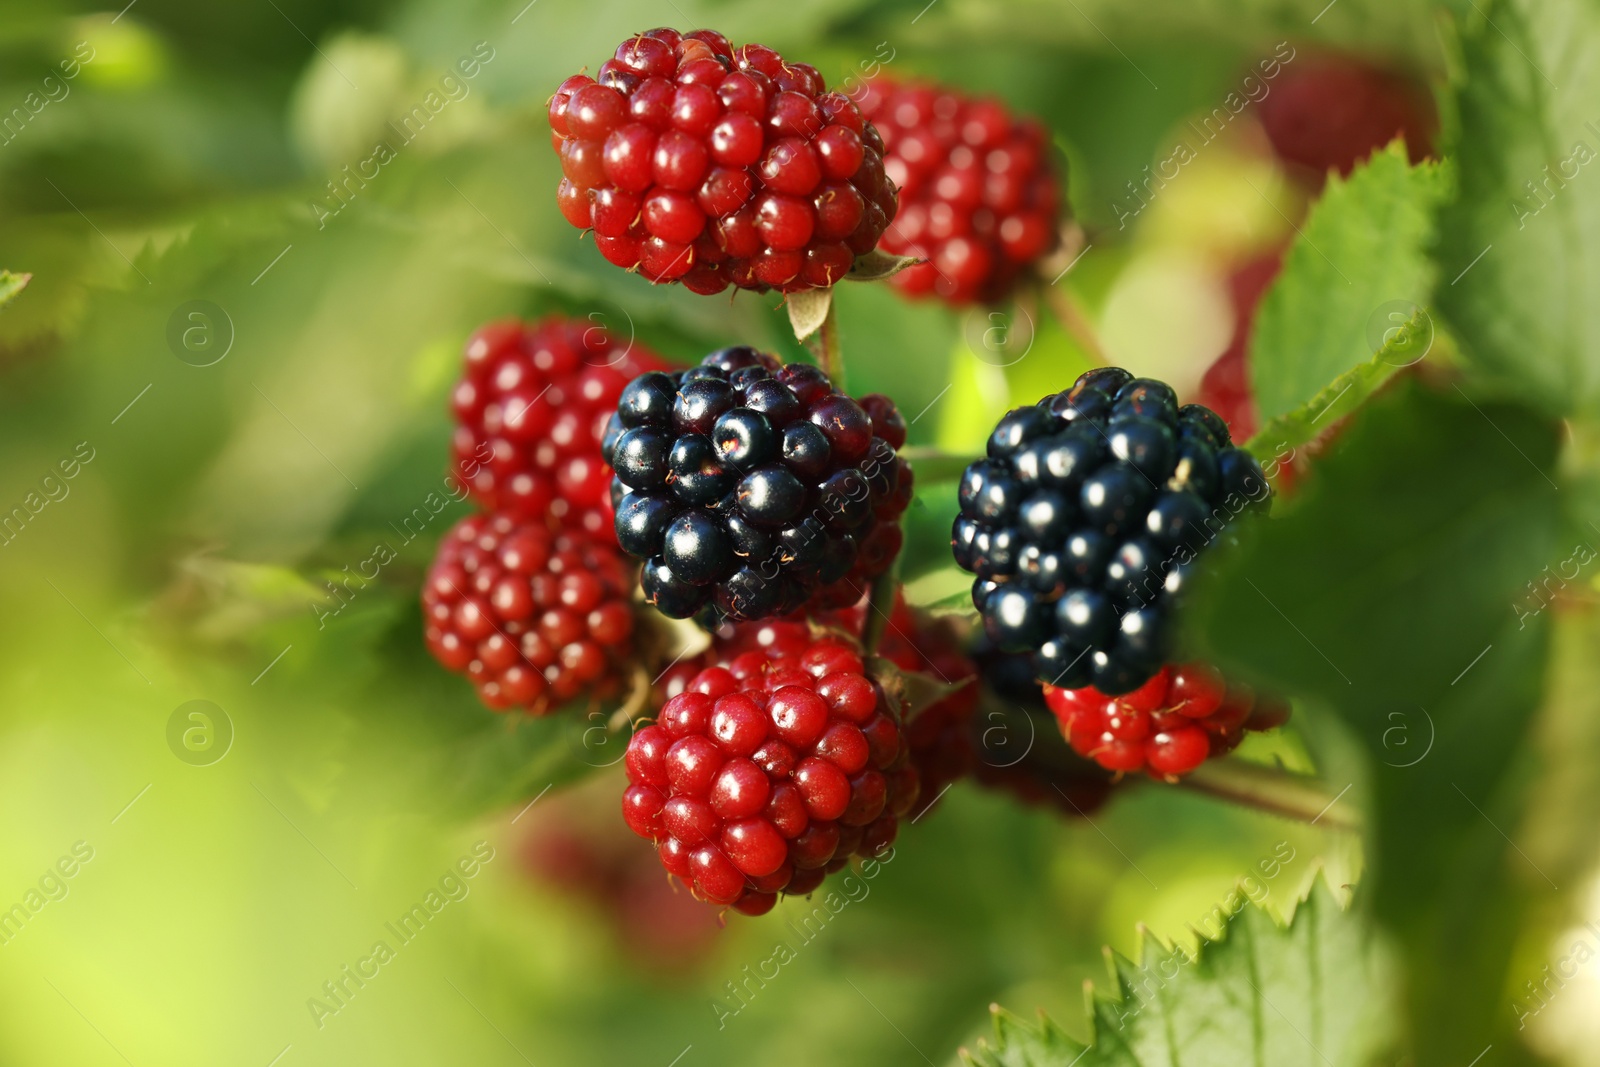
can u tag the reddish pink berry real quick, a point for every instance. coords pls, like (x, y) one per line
(979, 196)
(765, 786)
(690, 114)
(533, 618)
(1169, 726)
(531, 407)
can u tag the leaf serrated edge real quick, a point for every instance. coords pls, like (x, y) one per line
(1307, 908)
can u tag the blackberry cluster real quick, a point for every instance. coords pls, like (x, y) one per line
(752, 489)
(1084, 523)
(698, 162)
(1170, 725)
(768, 773)
(533, 618)
(530, 407)
(979, 198)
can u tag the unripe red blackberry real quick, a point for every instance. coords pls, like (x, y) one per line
(1177, 720)
(533, 618)
(531, 405)
(698, 162)
(940, 735)
(980, 198)
(753, 489)
(1085, 524)
(768, 773)
(1225, 386)
(1331, 112)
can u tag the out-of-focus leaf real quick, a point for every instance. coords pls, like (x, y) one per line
(1292, 996)
(1389, 593)
(1520, 247)
(1359, 259)
(11, 284)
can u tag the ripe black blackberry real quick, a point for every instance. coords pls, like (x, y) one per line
(753, 489)
(1084, 523)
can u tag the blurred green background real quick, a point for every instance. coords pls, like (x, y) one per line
(253, 385)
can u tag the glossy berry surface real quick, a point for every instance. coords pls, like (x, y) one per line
(533, 618)
(697, 162)
(530, 407)
(768, 772)
(752, 489)
(979, 194)
(1181, 717)
(1084, 523)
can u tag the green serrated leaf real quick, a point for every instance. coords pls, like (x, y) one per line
(11, 284)
(1404, 344)
(1520, 247)
(1262, 994)
(1391, 594)
(1359, 259)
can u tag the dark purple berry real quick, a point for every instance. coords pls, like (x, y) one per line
(697, 548)
(744, 439)
(648, 400)
(642, 519)
(700, 403)
(1084, 522)
(640, 457)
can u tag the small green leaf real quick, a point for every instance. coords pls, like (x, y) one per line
(11, 284)
(1404, 344)
(808, 310)
(875, 266)
(1360, 259)
(1262, 994)
(1520, 248)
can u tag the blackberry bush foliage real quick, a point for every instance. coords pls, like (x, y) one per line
(979, 197)
(530, 407)
(752, 489)
(1084, 524)
(698, 162)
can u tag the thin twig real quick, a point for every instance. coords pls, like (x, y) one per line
(1293, 796)
(824, 344)
(1064, 306)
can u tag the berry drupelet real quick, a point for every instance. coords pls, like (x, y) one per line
(698, 162)
(753, 489)
(769, 772)
(533, 618)
(1170, 725)
(1084, 524)
(531, 406)
(979, 198)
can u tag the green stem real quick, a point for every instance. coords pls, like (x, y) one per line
(880, 602)
(1292, 796)
(934, 465)
(824, 345)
